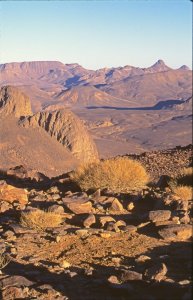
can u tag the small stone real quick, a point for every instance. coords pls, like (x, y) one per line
(105, 219)
(113, 279)
(78, 206)
(65, 264)
(58, 209)
(120, 223)
(184, 282)
(105, 235)
(185, 219)
(111, 226)
(116, 205)
(128, 275)
(82, 232)
(15, 280)
(159, 215)
(90, 220)
(116, 260)
(130, 206)
(157, 272)
(130, 228)
(13, 292)
(142, 259)
(58, 238)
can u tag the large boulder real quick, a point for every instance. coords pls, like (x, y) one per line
(176, 232)
(14, 102)
(68, 129)
(9, 193)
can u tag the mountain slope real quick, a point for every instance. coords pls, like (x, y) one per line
(68, 130)
(14, 102)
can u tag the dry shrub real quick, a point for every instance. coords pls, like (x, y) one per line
(183, 192)
(119, 175)
(4, 260)
(40, 220)
(186, 177)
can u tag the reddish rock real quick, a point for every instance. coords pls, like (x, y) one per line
(12, 293)
(116, 205)
(176, 232)
(89, 221)
(9, 193)
(78, 206)
(15, 280)
(159, 215)
(157, 272)
(105, 219)
(128, 275)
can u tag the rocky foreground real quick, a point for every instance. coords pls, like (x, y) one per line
(107, 246)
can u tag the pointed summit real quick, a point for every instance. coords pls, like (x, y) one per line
(184, 67)
(159, 66)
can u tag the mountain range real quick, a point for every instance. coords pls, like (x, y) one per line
(52, 84)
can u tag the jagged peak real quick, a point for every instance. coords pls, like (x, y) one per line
(184, 67)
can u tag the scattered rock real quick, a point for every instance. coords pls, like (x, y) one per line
(130, 228)
(104, 219)
(130, 206)
(116, 206)
(15, 280)
(176, 232)
(90, 220)
(9, 193)
(157, 272)
(113, 280)
(11, 293)
(78, 206)
(128, 275)
(58, 209)
(159, 215)
(65, 264)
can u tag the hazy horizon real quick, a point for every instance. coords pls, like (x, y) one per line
(97, 34)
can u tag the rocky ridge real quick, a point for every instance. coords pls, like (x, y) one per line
(14, 102)
(68, 130)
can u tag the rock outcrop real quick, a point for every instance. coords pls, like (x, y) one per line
(14, 102)
(68, 130)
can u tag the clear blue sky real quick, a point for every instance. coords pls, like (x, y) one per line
(97, 34)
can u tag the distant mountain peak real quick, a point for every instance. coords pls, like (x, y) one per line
(159, 66)
(184, 67)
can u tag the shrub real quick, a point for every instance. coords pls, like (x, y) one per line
(119, 175)
(40, 220)
(186, 177)
(183, 192)
(4, 260)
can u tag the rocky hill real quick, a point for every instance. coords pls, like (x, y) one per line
(14, 102)
(68, 130)
(51, 143)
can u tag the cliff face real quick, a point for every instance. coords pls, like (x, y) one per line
(68, 129)
(14, 102)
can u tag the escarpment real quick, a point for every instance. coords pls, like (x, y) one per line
(68, 129)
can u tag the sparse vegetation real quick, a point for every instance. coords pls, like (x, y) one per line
(183, 192)
(119, 175)
(186, 177)
(40, 220)
(4, 260)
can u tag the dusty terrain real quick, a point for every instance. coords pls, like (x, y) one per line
(121, 131)
(108, 246)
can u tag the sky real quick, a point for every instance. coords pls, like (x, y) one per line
(97, 34)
